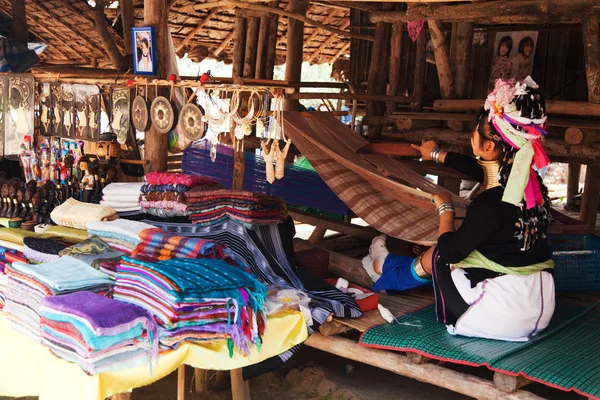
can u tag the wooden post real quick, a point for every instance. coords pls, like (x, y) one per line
(251, 49)
(127, 20)
(378, 71)
(460, 55)
(110, 47)
(442, 61)
(295, 46)
(20, 30)
(419, 76)
(591, 191)
(239, 164)
(396, 53)
(261, 47)
(271, 51)
(201, 380)
(156, 15)
(239, 44)
(240, 389)
(573, 183)
(181, 382)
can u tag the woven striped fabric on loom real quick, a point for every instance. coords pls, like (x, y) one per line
(385, 193)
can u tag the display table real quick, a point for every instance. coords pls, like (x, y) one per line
(29, 369)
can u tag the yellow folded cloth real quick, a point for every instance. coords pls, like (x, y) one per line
(16, 235)
(75, 214)
(69, 235)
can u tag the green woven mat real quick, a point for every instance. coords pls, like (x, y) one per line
(566, 355)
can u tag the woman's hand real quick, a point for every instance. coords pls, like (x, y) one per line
(425, 148)
(441, 198)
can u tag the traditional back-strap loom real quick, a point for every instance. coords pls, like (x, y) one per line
(384, 192)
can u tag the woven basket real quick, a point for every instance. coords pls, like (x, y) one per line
(314, 261)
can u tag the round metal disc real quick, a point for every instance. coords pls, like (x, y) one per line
(162, 115)
(140, 115)
(190, 121)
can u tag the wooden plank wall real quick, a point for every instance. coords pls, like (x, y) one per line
(559, 66)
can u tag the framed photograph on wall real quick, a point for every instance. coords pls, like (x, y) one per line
(144, 54)
(513, 56)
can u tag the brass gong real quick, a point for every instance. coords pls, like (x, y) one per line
(190, 121)
(162, 114)
(140, 115)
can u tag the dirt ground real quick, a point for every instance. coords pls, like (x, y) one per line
(314, 375)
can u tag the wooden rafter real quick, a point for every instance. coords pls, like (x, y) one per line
(340, 53)
(327, 42)
(197, 29)
(316, 31)
(101, 26)
(261, 8)
(223, 44)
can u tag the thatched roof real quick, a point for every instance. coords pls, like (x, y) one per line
(67, 26)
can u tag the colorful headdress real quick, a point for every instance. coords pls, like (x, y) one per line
(518, 113)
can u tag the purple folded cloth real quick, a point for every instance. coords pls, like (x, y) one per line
(102, 315)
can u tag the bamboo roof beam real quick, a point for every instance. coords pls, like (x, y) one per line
(339, 53)
(257, 7)
(495, 12)
(223, 44)
(197, 29)
(327, 42)
(316, 31)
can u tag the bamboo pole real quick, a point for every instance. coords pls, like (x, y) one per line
(271, 54)
(419, 75)
(261, 47)
(295, 44)
(378, 72)
(591, 191)
(442, 61)
(110, 47)
(19, 30)
(290, 14)
(251, 44)
(396, 54)
(239, 44)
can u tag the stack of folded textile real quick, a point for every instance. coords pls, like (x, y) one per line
(97, 333)
(42, 250)
(157, 244)
(196, 300)
(75, 214)
(248, 208)
(7, 256)
(28, 284)
(93, 251)
(164, 194)
(122, 197)
(121, 234)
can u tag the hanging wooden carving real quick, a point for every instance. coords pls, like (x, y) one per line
(67, 111)
(49, 104)
(120, 114)
(86, 118)
(19, 119)
(140, 112)
(162, 114)
(191, 123)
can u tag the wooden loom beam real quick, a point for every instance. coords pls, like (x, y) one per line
(289, 14)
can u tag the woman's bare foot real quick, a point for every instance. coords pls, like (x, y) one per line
(378, 252)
